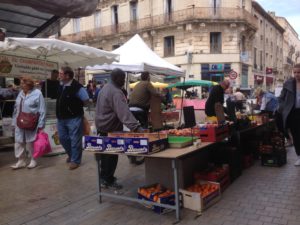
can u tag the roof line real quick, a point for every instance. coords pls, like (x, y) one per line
(13, 22)
(24, 14)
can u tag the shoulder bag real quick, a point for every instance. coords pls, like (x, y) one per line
(27, 121)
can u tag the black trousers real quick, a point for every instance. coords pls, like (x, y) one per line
(108, 165)
(293, 123)
(142, 117)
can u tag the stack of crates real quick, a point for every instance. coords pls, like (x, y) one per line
(273, 152)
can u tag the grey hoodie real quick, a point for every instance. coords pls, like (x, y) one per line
(112, 110)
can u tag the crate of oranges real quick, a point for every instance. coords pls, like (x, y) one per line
(200, 196)
(159, 194)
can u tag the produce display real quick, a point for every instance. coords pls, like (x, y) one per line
(159, 194)
(184, 132)
(155, 192)
(204, 189)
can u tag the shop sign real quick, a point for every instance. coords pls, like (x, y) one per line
(216, 67)
(15, 66)
(233, 75)
(269, 70)
(244, 56)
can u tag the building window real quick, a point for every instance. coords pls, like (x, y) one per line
(215, 42)
(115, 47)
(133, 10)
(169, 46)
(243, 43)
(76, 25)
(254, 58)
(168, 7)
(114, 13)
(243, 4)
(97, 19)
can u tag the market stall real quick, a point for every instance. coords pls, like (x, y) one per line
(37, 57)
(181, 168)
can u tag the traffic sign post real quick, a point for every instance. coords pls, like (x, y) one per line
(233, 75)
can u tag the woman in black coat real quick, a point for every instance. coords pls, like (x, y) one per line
(289, 108)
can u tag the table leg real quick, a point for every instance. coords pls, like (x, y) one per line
(174, 167)
(99, 179)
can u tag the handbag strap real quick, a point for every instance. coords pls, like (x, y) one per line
(21, 103)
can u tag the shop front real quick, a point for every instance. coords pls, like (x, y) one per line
(214, 72)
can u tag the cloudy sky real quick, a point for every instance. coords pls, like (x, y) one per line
(290, 9)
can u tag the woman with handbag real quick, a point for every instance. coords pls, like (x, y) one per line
(289, 109)
(28, 120)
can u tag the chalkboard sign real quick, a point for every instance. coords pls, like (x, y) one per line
(189, 116)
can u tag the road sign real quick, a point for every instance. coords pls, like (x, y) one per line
(232, 75)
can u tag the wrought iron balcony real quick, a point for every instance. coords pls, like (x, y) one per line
(193, 15)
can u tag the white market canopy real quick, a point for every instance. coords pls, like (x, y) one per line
(136, 56)
(35, 56)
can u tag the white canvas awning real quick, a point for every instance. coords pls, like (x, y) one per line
(136, 56)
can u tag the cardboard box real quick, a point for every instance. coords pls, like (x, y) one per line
(144, 145)
(168, 199)
(93, 143)
(114, 144)
(151, 136)
(195, 201)
(101, 144)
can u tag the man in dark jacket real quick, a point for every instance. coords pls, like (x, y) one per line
(111, 113)
(69, 112)
(215, 101)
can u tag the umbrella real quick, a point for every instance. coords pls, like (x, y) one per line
(188, 84)
(53, 50)
(192, 83)
(155, 84)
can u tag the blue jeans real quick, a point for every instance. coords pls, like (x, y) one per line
(70, 132)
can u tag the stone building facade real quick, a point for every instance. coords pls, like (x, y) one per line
(209, 38)
(291, 46)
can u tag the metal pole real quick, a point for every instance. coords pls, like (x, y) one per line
(174, 167)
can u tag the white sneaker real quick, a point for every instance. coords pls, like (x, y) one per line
(20, 164)
(32, 164)
(297, 163)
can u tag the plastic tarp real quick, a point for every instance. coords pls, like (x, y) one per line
(136, 56)
(63, 8)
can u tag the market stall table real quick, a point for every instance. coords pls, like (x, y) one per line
(173, 156)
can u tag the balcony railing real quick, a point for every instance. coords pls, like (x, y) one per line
(229, 15)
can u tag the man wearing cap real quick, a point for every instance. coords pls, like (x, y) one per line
(2, 34)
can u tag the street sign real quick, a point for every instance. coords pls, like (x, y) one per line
(232, 75)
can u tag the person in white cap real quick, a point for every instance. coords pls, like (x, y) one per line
(2, 34)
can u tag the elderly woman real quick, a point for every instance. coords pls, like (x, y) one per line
(289, 108)
(29, 100)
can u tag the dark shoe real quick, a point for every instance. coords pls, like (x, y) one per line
(73, 166)
(68, 160)
(113, 185)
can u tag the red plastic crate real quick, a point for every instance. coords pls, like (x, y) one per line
(214, 134)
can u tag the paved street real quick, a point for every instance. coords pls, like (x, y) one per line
(52, 194)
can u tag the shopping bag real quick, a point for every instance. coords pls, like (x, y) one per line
(41, 145)
(86, 127)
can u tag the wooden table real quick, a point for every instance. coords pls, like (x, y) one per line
(172, 160)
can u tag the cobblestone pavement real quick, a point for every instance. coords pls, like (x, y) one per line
(51, 194)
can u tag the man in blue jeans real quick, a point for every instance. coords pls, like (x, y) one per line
(69, 112)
